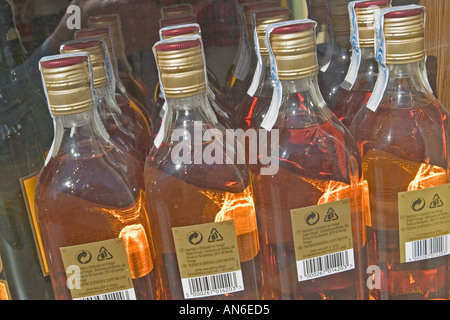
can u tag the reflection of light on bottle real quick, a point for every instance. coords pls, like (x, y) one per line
(138, 251)
(428, 176)
(240, 208)
(359, 198)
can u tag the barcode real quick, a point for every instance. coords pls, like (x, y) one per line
(213, 284)
(427, 248)
(118, 295)
(325, 265)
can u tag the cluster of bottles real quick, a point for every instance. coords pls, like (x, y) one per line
(306, 176)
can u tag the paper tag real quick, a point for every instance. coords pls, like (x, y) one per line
(424, 223)
(257, 75)
(323, 239)
(245, 52)
(206, 253)
(98, 268)
(380, 56)
(355, 61)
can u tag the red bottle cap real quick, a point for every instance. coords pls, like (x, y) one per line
(369, 3)
(404, 13)
(293, 28)
(178, 45)
(63, 62)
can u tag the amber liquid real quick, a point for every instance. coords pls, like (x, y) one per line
(313, 170)
(348, 103)
(87, 200)
(415, 158)
(197, 194)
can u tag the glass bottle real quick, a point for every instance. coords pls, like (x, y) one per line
(257, 100)
(403, 137)
(240, 74)
(357, 86)
(135, 86)
(335, 63)
(219, 102)
(317, 11)
(122, 123)
(104, 33)
(26, 131)
(200, 203)
(311, 209)
(90, 197)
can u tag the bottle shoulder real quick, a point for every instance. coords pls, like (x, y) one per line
(420, 133)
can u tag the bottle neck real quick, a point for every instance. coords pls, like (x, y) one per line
(189, 114)
(302, 100)
(342, 41)
(107, 102)
(408, 85)
(80, 136)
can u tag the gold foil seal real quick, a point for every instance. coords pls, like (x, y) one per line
(68, 85)
(294, 47)
(266, 17)
(97, 54)
(365, 19)
(113, 22)
(405, 36)
(176, 10)
(182, 68)
(102, 33)
(178, 20)
(339, 17)
(318, 11)
(248, 9)
(182, 30)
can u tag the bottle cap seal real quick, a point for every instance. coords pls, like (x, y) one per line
(67, 83)
(96, 52)
(102, 33)
(265, 17)
(181, 66)
(404, 31)
(294, 47)
(364, 15)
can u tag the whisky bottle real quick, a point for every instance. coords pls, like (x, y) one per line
(125, 126)
(219, 102)
(335, 63)
(104, 33)
(90, 198)
(200, 204)
(134, 85)
(312, 208)
(254, 106)
(403, 139)
(240, 74)
(317, 11)
(26, 132)
(355, 90)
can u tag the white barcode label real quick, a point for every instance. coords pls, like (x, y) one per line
(128, 294)
(427, 248)
(325, 265)
(213, 284)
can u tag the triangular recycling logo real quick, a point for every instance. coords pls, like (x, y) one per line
(436, 202)
(331, 215)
